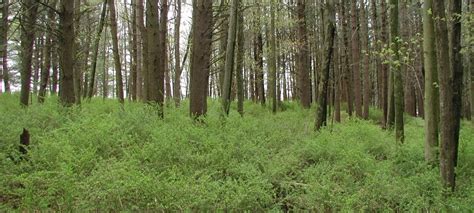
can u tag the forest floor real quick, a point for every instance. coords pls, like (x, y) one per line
(98, 157)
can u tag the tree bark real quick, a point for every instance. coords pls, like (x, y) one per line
(447, 73)
(115, 47)
(29, 11)
(272, 66)
(201, 55)
(95, 54)
(177, 59)
(47, 55)
(365, 52)
(4, 73)
(356, 59)
(321, 114)
(66, 47)
(431, 84)
(240, 63)
(229, 61)
(396, 71)
(304, 84)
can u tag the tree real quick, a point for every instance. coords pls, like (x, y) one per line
(272, 63)
(118, 66)
(4, 46)
(396, 72)
(177, 60)
(47, 54)
(304, 84)
(321, 113)
(163, 57)
(365, 52)
(356, 59)
(229, 61)
(29, 12)
(95, 54)
(431, 84)
(450, 81)
(66, 47)
(200, 56)
(240, 63)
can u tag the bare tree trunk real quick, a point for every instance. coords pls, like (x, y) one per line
(304, 81)
(200, 56)
(163, 56)
(229, 61)
(240, 63)
(47, 54)
(29, 11)
(365, 52)
(321, 114)
(396, 71)
(356, 59)
(118, 65)
(431, 82)
(4, 47)
(96, 49)
(272, 67)
(66, 47)
(448, 75)
(177, 66)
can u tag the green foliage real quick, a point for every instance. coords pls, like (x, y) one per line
(100, 158)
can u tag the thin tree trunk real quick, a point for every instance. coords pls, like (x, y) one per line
(177, 66)
(365, 52)
(29, 11)
(321, 114)
(240, 64)
(4, 73)
(47, 55)
(304, 81)
(272, 67)
(117, 63)
(356, 59)
(431, 84)
(229, 61)
(396, 71)
(90, 91)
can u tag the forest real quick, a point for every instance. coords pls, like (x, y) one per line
(237, 105)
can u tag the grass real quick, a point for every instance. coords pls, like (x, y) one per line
(98, 157)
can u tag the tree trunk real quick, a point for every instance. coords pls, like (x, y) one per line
(240, 64)
(304, 84)
(163, 68)
(4, 47)
(117, 63)
(321, 114)
(77, 55)
(272, 66)
(29, 11)
(47, 55)
(431, 84)
(134, 50)
(66, 47)
(384, 72)
(177, 66)
(201, 55)
(90, 91)
(365, 52)
(396, 71)
(229, 61)
(448, 120)
(356, 59)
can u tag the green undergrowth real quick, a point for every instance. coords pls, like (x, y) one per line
(99, 157)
